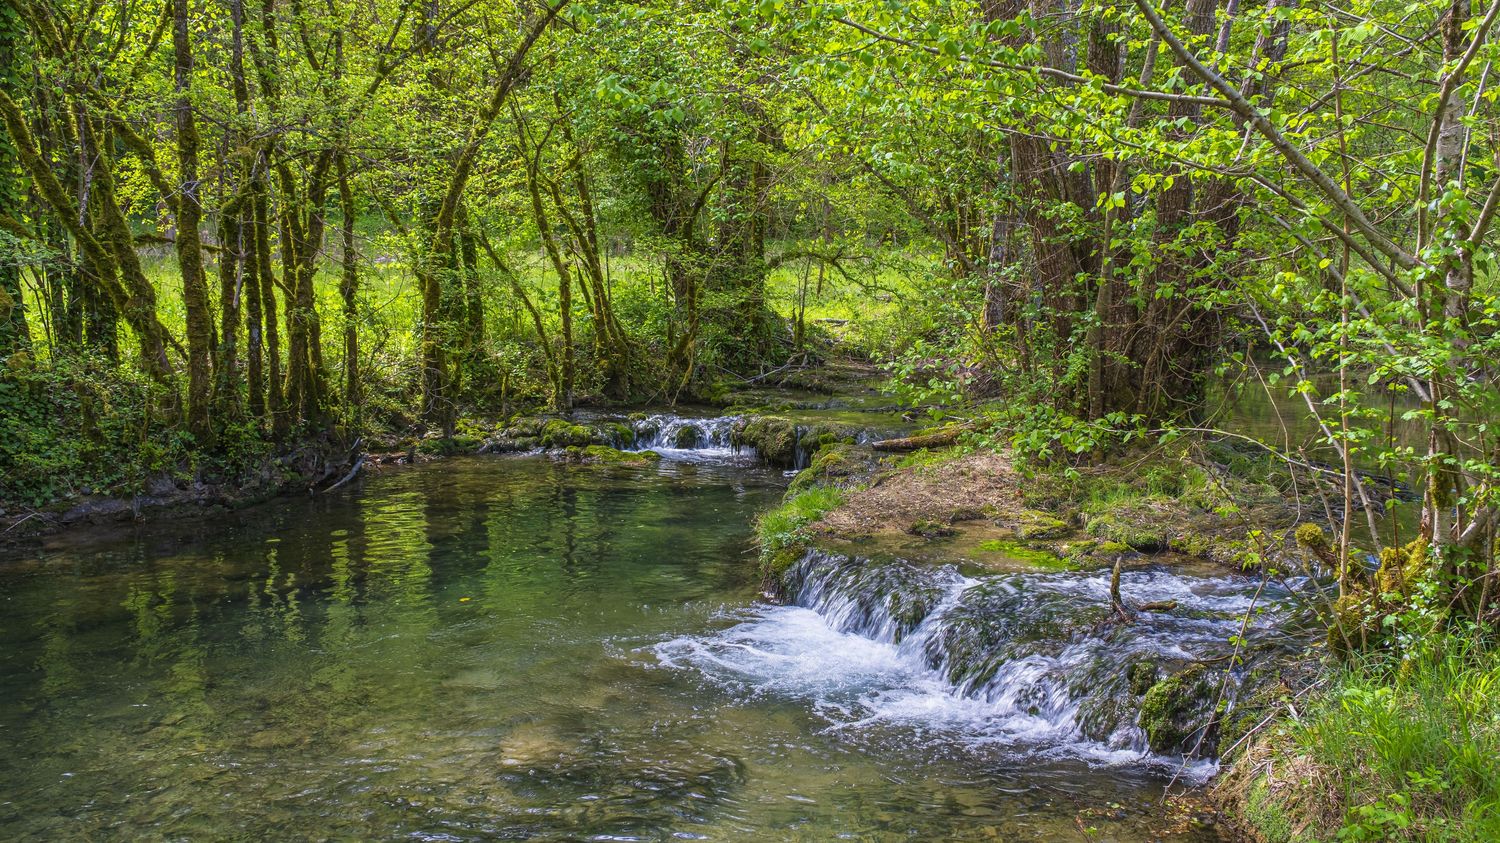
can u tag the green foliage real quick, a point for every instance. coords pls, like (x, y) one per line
(1412, 746)
(79, 425)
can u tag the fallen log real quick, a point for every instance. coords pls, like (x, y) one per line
(940, 439)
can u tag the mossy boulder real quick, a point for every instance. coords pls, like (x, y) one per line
(1192, 544)
(560, 433)
(447, 446)
(835, 463)
(1142, 675)
(930, 529)
(818, 436)
(1129, 528)
(524, 427)
(1177, 709)
(687, 437)
(773, 438)
(620, 435)
(511, 445)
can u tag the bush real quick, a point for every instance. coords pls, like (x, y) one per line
(80, 424)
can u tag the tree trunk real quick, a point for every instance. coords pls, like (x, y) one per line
(349, 291)
(200, 328)
(15, 333)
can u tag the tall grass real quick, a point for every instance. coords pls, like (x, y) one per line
(1413, 751)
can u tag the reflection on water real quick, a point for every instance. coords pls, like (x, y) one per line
(464, 650)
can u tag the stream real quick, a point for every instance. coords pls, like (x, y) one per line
(515, 648)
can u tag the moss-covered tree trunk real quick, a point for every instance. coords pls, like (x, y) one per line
(188, 202)
(349, 294)
(15, 334)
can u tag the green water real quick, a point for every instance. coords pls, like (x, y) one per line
(463, 651)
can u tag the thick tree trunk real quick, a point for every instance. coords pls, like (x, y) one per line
(231, 288)
(275, 403)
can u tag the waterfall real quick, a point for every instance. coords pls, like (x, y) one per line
(1034, 660)
(684, 438)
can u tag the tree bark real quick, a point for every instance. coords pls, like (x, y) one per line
(200, 329)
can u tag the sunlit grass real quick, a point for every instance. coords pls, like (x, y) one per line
(1414, 750)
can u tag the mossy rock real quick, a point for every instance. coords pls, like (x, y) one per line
(1035, 524)
(775, 564)
(605, 455)
(834, 463)
(511, 445)
(1137, 534)
(930, 529)
(448, 446)
(1192, 544)
(620, 434)
(1178, 708)
(524, 427)
(772, 437)
(820, 436)
(1142, 675)
(560, 433)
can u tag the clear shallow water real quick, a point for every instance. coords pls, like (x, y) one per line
(486, 649)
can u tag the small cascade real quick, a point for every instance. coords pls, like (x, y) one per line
(683, 437)
(1035, 660)
(806, 438)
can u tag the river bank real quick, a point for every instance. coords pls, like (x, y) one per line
(1151, 605)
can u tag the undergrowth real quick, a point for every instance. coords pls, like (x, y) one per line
(1401, 752)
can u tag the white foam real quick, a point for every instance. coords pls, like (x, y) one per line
(841, 659)
(857, 684)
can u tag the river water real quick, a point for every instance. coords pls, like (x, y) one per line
(502, 648)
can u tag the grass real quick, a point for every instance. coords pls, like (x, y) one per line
(1410, 753)
(782, 532)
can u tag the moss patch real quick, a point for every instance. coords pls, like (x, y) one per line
(1131, 527)
(605, 455)
(559, 433)
(835, 463)
(930, 529)
(1035, 524)
(1175, 709)
(458, 443)
(1021, 552)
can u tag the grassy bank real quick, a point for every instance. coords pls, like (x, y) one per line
(1381, 751)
